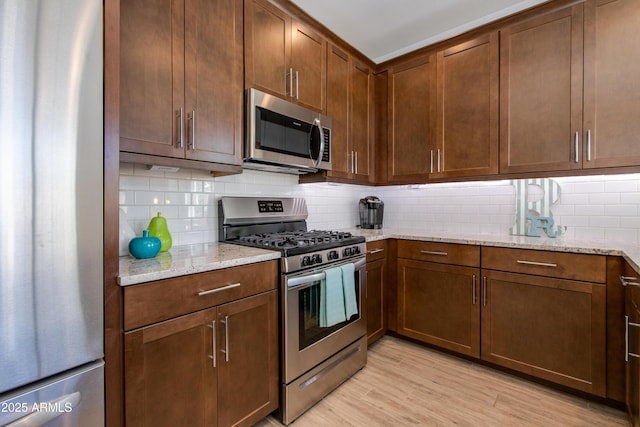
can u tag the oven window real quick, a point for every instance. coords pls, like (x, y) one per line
(309, 315)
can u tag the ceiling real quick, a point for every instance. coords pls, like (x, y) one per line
(384, 29)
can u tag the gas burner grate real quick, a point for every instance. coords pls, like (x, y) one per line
(291, 239)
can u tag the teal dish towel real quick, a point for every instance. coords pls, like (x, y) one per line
(332, 298)
(349, 289)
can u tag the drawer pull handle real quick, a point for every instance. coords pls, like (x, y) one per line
(212, 291)
(539, 264)
(375, 251)
(629, 281)
(434, 253)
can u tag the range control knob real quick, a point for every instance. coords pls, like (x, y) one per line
(347, 252)
(333, 255)
(356, 250)
(317, 259)
(306, 261)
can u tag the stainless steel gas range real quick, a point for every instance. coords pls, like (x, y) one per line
(322, 294)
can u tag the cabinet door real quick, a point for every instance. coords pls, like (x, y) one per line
(612, 87)
(541, 93)
(467, 109)
(439, 304)
(170, 379)
(248, 359)
(551, 328)
(338, 110)
(214, 80)
(376, 278)
(152, 77)
(267, 46)
(360, 117)
(411, 109)
(308, 56)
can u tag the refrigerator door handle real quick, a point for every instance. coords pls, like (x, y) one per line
(61, 406)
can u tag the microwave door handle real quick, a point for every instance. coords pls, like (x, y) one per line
(316, 122)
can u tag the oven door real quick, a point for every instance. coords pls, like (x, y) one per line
(306, 343)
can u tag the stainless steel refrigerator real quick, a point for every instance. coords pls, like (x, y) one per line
(51, 216)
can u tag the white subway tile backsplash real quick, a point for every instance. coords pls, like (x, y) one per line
(604, 221)
(178, 198)
(190, 186)
(586, 187)
(163, 184)
(633, 198)
(627, 186)
(134, 182)
(149, 198)
(630, 222)
(620, 234)
(620, 210)
(604, 198)
(589, 210)
(595, 207)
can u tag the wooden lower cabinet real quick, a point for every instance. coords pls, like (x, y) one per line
(437, 295)
(169, 379)
(376, 289)
(213, 367)
(550, 328)
(437, 304)
(514, 309)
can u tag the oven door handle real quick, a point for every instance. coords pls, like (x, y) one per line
(296, 281)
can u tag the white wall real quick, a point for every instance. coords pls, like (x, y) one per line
(593, 208)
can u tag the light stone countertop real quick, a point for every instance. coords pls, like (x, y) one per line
(631, 253)
(189, 259)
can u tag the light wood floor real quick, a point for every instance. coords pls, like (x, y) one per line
(405, 384)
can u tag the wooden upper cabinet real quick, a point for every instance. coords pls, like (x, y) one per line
(267, 41)
(282, 56)
(151, 76)
(541, 93)
(338, 96)
(611, 84)
(412, 91)
(361, 120)
(467, 109)
(174, 56)
(214, 76)
(307, 67)
(350, 106)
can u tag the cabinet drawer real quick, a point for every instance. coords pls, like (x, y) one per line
(376, 250)
(588, 268)
(447, 253)
(164, 299)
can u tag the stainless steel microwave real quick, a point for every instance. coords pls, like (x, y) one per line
(285, 137)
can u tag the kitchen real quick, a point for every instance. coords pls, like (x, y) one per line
(599, 207)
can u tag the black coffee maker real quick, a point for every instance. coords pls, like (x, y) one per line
(371, 212)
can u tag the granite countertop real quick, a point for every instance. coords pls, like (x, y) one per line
(189, 259)
(631, 253)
